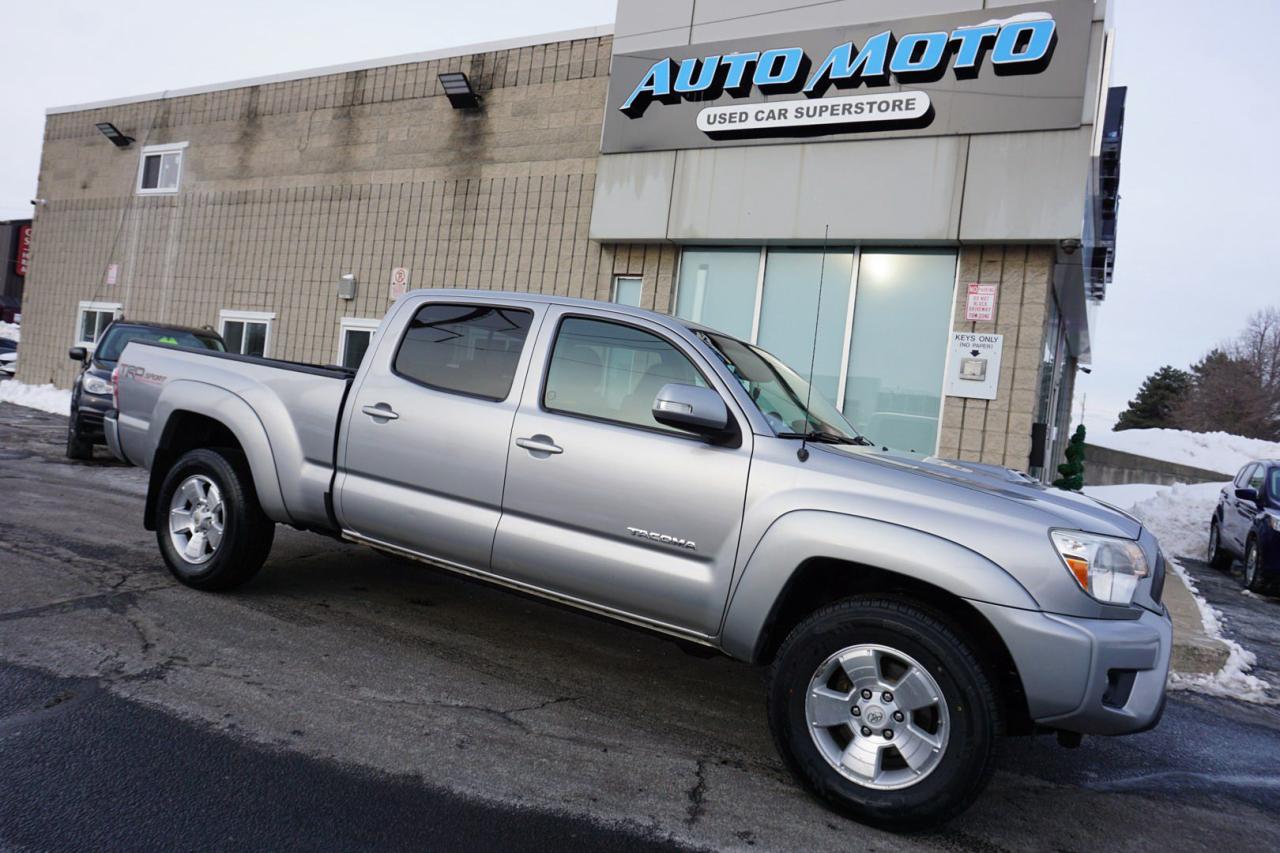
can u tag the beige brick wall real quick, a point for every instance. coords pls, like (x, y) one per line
(286, 186)
(999, 431)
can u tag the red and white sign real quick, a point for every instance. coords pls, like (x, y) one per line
(980, 307)
(24, 250)
(399, 282)
(113, 273)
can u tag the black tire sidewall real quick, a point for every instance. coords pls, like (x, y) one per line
(243, 523)
(965, 767)
(77, 448)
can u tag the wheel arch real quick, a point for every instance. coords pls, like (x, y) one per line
(198, 416)
(848, 556)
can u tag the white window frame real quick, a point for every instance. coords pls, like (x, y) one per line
(178, 148)
(613, 297)
(267, 317)
(114, 307)
(360, 324)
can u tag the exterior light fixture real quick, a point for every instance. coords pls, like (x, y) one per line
(457, 88)
(110, 131)
(347, 286)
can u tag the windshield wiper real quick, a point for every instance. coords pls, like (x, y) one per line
(818, 437)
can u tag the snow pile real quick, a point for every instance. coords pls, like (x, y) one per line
(46, 398)
(12, 331)
(1178, 515)
(1213, 451)
(1233, 680)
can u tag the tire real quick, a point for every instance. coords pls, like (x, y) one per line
(77, 447)
(1219, 558)
(1255, 580)
(210, 493)
(964, 725)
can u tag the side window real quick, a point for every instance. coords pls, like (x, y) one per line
(354, 336)
(612, 372)
(1257, 478)
(160, 169)
(92, 320)
(1243, 477)
(465, 349)
(247, 332)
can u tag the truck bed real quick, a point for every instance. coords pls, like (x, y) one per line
(290, 427)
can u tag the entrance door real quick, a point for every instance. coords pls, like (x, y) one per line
(604, 504)
(427, 430)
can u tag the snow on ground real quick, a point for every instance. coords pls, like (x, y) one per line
(1213, 451)
(1179, 517)
(10, 331)
(46, 398)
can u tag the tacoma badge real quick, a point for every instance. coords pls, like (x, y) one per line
(663, 538)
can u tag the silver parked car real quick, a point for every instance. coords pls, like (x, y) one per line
(638, 466)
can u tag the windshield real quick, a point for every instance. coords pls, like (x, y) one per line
(779, 392)
(115, 338)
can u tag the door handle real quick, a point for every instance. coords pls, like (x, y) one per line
(539, 444)
(381, 411)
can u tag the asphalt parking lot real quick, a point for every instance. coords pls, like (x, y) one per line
(349, 699)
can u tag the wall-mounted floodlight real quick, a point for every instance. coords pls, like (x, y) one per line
(457, 88)
(347, 286)
(110, 131)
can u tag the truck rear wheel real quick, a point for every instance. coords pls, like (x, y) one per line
(211, 530)
(884, 711)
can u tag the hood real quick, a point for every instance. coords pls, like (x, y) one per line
(1073, 509)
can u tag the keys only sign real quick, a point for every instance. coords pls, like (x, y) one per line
(1010, 68)
(973, 365)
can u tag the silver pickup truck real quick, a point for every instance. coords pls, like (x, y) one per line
(670, 476)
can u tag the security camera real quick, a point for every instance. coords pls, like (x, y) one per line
(1069, 245)
(1084, 369)
(39, 201)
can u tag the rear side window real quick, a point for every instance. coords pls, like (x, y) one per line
(612, 372)
(465, 349)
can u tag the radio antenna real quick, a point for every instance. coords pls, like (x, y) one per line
(803, 452)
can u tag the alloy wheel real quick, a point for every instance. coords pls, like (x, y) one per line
(196, 519)
(877, 716)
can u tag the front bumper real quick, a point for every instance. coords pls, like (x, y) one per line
(1093, 676)
(111, 429)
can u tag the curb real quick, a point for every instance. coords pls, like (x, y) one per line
(1194, 651)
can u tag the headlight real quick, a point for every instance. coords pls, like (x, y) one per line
(1274, 521)
(94, 385)
(1105, 567)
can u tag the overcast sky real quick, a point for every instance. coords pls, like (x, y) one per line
(1199, 220)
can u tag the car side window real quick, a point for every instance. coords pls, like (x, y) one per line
(1256, 478)
(464, 349)
(612, 372)
(1243, 476)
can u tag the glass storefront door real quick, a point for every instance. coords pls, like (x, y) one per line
(881, 327)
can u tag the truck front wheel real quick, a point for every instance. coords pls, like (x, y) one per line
(211, 530)
(883, 710)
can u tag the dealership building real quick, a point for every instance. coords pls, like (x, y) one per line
(916, 198)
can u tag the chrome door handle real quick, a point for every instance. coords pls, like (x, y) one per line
(539, 444)
(380, 411)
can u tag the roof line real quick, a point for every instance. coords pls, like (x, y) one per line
(361, 65)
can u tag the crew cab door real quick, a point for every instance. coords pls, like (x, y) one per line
(605, 505)
(424, 449)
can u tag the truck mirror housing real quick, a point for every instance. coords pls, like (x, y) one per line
(78, 354)
(691, 408)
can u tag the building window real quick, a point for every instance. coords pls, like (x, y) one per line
(627, 289)
(160, 169)
(92, 320)
(247, 332)
(881, 326)
(464, 349)
(354, 336)
(612, 372)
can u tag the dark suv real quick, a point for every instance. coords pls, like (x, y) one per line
(1246, 524)
(91, 392)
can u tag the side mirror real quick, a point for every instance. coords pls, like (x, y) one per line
(691, 408)
(78, 354)
(1250, 495)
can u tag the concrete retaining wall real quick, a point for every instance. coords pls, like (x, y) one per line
(1106, 467)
